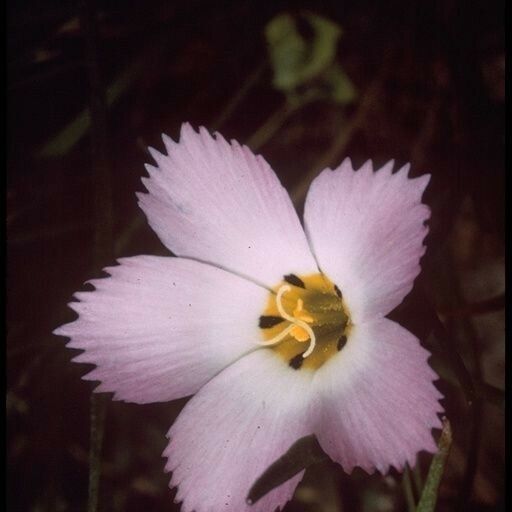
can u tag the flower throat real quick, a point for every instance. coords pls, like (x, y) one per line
(305, 321)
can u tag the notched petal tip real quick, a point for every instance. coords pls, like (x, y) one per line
(61, 330)
(169, 143)
(417, 185)
(166, 139)
(142, 196)
(84, 357)
(204, 132)
(345, 165)
(187, 132)
(155, 153)
(152, 169)
(404, 170)
(422, 182)
(367, 167)
(387, 168)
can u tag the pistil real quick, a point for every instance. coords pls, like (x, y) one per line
(305, 309)
(294, 323)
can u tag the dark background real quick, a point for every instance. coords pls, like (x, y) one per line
(429, 78)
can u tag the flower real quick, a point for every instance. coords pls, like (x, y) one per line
(279, 332)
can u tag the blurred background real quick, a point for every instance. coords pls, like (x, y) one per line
(92, 84)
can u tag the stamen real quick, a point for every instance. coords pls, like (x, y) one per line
(301, 313)
(268, 321)
(295, 321)
(296, 361)
(296, 281)
(341, 342)
(278, 338)
(312, 344)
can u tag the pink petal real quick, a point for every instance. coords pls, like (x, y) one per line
(233, 429)
(376, 403)
(159, 328)
(219, 203)
(367, 229)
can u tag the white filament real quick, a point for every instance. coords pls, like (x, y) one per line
(276, 339)
(293, 322)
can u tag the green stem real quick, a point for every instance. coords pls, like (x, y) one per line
(239, 96)
(272, 124)
(417, 479)
(103, 247)
(408, 492)
(98, 412)
(346, 132)
(428, 498)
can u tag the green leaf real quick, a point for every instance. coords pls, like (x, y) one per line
(341, 89)
(287, 51)
(428, 498)
(295, 59)
(302, 454)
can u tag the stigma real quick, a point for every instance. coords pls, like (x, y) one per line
(304, 320)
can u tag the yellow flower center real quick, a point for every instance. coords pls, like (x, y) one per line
(305, 321)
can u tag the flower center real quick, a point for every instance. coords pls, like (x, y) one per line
(305, 321)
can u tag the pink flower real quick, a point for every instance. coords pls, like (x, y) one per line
(279, 332)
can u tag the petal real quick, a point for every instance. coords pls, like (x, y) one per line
(159, 328)
(376, 400)
(233, 429)
(367, 230)
(218, 202)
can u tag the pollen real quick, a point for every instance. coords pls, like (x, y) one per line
(304, 319)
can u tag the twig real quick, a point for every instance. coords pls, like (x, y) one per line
(429, 495)
(97, 418)
(272, 124)
(103, 220)
(340, 142)
(407, 487)
(233, 103)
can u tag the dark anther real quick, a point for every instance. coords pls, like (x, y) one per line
(342, 342)
(267, 321)
(296, 362)
(338, 291)
(296, 281)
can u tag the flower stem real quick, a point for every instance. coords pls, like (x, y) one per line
(98, 411)
(103, 247)
(429, 495)
(345, 134)
(408, 492)
(239, 96)
(271, 125)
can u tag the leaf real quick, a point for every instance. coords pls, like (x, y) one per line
(341, 89)
(302, 454)
(428, 498)
(295, 59)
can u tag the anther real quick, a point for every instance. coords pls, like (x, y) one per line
(296, 361)
(293, 322)
(341, 342)
(296, 281)
(268, 321)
